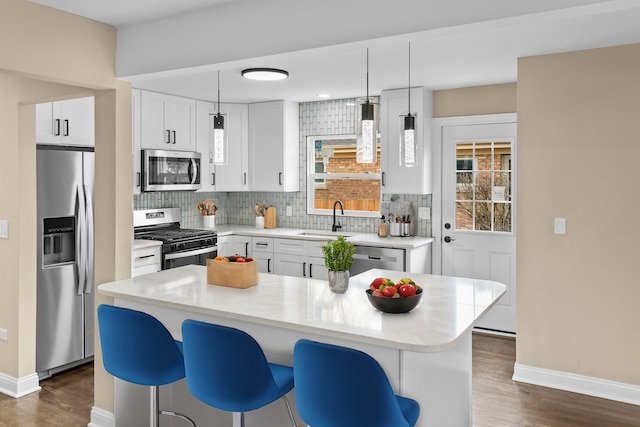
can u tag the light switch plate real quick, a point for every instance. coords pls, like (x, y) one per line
(560, 226)
(4, 229)
(289, 210)
(4, 335)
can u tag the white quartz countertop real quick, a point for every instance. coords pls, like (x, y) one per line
(366, 239)
(145, 243)
(449, 308)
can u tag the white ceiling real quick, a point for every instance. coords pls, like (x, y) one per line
(479, 48)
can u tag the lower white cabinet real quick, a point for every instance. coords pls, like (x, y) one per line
(239, 245)
(299, 258)
(223, 245)
(262, 253)
(146, 257)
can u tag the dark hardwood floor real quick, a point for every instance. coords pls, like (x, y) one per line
(66, 399)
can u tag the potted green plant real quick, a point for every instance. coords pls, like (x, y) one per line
(338, 258)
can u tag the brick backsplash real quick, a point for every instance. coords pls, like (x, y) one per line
(335, 117)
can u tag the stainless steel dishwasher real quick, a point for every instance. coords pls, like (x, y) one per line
(368, 257)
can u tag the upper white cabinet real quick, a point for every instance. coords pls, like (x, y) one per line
(234, 176)
(69, 122)
(274, 146)
(135, 141)
(393, 105)
(167, 122)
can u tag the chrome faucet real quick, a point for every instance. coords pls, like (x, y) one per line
(336, 225)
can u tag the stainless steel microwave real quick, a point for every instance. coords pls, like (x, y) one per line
(164, 170)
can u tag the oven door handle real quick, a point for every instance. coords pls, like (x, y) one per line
(177, 255)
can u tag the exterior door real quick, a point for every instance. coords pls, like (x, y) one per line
(478, 211)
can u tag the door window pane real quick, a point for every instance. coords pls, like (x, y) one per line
(483, 186)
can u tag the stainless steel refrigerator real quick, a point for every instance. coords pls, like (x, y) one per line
(64, 333)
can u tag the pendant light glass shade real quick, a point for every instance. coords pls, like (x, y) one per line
(408, 141)
(219, 135)
(219, 140)
(408, 130)
(366, 140)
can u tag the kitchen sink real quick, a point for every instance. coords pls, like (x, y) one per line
(325, 234)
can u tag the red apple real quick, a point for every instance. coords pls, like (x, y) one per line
(389, 291)
(407, 290)
(377, 282)
(377, 293)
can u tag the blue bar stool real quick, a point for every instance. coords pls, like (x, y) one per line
(137, 348)
(342, 387)
(227, 369)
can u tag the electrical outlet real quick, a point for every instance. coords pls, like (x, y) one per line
(289, 210)
(4, 334)
(560, 225)
(424, 212)
(4, 229)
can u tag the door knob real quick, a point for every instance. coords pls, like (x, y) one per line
(448, 239)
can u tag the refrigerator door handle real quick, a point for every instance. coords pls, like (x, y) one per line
(81, 239)
(88, 287)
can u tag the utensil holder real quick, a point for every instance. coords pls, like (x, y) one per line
(259, 222)
(209, 221)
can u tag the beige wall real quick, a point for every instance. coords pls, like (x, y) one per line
(469, 101)
(47, 54)
(578, 151)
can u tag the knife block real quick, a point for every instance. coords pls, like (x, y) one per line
(270, 218)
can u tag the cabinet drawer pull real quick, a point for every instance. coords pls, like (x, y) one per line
(145, 256)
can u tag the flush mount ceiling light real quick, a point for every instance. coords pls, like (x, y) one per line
(264, 74)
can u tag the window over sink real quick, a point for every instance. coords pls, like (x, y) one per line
(333, 174)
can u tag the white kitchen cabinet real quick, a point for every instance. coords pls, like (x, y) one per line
(223, 245)
(262, 253)
(234, 175)
(69, 122)
(240, 245)
(146, 257)
(167, 122)
(135, 141)
(395, 178)
(274, 146)
(299, 258)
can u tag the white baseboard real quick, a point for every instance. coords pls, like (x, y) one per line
(101, 418)
(591, 386)
(18, 387)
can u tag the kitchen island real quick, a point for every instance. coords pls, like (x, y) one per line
(426, 353)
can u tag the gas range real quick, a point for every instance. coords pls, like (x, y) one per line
(180, 246)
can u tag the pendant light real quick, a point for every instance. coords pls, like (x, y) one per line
(365, 142)
(219, 135)
(408, 130)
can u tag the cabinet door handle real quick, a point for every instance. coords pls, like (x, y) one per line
(280, 178)
(138, 184)
(304, 269)
(66, 128)
(245, 178)
(246, 250)
(174, 136)
(311, 270)
(168, 141)
(384, 179)
(213, 179)
(268, 265)
(56, 127)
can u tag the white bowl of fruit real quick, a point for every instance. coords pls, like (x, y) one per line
(388, 296)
